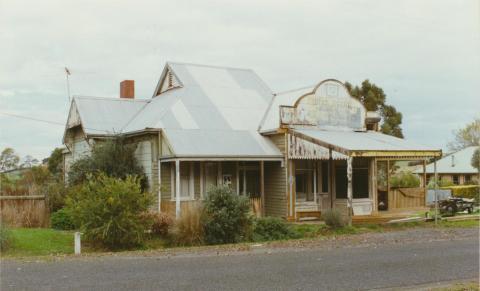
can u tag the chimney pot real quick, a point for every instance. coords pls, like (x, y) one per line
(127, 89)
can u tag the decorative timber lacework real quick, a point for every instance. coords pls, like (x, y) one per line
(299, 148)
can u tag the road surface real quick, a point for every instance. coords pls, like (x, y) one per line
(359, 267)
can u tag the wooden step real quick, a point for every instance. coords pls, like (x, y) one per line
(308, 215)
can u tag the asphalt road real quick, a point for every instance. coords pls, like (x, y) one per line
(345, 268)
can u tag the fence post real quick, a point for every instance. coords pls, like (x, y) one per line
(78, 247)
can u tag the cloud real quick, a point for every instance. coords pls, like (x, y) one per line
(425, 54)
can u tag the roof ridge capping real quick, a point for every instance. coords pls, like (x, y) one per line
(110, 98)
(208, 66)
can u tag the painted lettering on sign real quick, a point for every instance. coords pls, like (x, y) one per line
(330, 106)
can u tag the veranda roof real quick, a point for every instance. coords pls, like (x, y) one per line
(366, 143)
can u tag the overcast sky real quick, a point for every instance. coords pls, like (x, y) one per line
(424, 54)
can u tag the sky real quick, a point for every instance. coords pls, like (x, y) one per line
(424, 54)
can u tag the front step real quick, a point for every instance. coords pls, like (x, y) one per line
(309, 215)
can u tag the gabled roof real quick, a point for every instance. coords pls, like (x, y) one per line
(455, 163)
(210, 111)
(104, 115)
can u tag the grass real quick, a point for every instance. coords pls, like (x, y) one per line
(40, 242)
(473, 286)
(43, 241)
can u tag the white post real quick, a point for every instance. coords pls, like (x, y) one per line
(436, 188)
(78, 247)
(237, 178)
(315, 181)
(349, 190)
(159, 186)
(177, 189)
(262, 186)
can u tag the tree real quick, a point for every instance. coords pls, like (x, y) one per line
(29, 162)
(466, 137)
(8, 159)
(114, 157)
(374, 99)
(55, 162)
(476, 159)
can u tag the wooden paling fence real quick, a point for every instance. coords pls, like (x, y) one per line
(24, 211)
(406, 198)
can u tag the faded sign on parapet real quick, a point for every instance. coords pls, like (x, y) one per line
(330, 106)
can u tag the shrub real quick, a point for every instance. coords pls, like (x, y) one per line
(466, 191)
(226, 216)
(114, 157)
(56, 194)
(161, 224)
(62, 220)
(405, 179)
(108, 211)
(5, 237)
(333, 218)
(188, 229)
(271, 228)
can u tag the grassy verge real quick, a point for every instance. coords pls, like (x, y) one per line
(39, 242)
(43, 242)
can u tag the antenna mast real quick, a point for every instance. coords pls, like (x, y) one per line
(67, 73)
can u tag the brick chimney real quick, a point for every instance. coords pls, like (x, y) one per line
(127, 89)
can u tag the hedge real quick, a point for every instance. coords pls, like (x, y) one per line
(465, 191)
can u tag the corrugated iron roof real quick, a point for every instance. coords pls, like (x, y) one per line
(106, 115)
(216, 112)
(364, 141)
(455, 163)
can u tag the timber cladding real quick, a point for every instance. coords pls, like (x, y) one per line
(275, 191)
(280, 141)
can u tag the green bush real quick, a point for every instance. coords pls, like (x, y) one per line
(226, 216)
(271, 228)
(404, 179)
(114, 157)
(5, 237)
(465, 191)
(56, 194)
(62, 220)
(188, 229)
(109, 211)
(333, 218)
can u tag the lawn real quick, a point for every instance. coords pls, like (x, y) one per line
(44, 241)
(40, 242)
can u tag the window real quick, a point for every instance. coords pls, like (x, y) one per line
(455, 179)
(249, 176)
(304, 181)
(360, 181)
(468, 179)
(186, 180)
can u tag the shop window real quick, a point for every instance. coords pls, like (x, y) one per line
(360, 181)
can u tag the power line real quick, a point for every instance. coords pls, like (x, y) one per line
(47, 121)
(32, 118)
